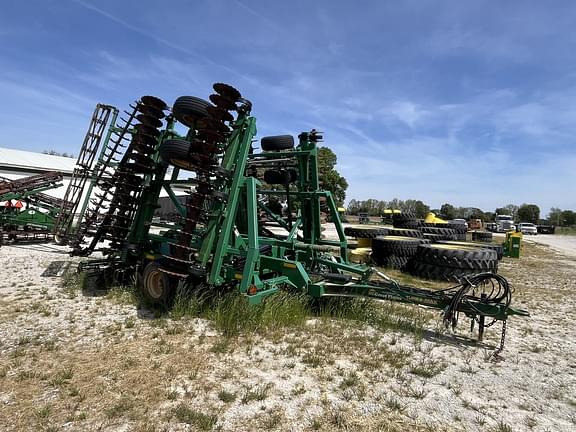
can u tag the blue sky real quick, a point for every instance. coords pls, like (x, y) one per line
(467, 102)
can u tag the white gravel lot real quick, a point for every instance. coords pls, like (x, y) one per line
(78, 362)
(565, 244)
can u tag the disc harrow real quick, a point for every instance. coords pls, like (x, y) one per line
(209, 136)
(227, 234)
(120, 180)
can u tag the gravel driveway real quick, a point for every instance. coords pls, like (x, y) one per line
(566, 244)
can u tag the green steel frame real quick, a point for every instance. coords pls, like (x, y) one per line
(232, 248)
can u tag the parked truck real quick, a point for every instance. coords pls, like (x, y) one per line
(504, 223)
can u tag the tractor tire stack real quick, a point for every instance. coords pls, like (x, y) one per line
(459, 229)
(452, 262)
(495, 247)
(406, 220)
(439, 233)
(365, 232)
(436, 251)
(483, 236)
(395, 251)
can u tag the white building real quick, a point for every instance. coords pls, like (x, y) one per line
(16, 164)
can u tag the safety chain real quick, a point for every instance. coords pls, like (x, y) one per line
(495, 355)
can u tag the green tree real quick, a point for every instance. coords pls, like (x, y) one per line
(448, 211)
(330, 179)
(568, 218)
(502, 211)
(555, 216)
(529, 213)
(420, 209)
(513, 210)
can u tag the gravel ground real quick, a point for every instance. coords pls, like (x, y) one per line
(74, 361)
(565, 244)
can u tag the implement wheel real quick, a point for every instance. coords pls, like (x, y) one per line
(157, 287)
(188, 109)
(277, 142)
(176, 152)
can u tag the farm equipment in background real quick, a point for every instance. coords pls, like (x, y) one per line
(33, 215)
(228, 235)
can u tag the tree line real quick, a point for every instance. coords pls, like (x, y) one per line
(522, 213)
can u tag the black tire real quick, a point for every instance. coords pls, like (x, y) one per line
(437, 230)
(157, 287)
(460, 236)
(436, 225)
(459, 228)
(483, 236)
(428, 271)
(280, 177)
(393, 261)
(60, 241)
(277, 142)
(433, 238)
(406, 220)
(409, 224)
(460, 257)
(383, 247)
(176, 152)
(493, 246)
(368, 232)
(404, 232)
(188, 109)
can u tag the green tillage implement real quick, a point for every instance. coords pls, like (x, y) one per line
(227, 234)
(37, 218)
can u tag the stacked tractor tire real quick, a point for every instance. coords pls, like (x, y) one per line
(430, 251)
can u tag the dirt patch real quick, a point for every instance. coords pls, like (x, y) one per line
(71, 361)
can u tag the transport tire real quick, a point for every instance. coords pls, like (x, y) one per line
(188, 109)
(277, 142)
(281, 177)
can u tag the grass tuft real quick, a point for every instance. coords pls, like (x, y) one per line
(200, 420)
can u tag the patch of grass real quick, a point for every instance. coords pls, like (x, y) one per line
(61, 377)
(186, 304)
(299, 389)
(221, 346)
(124, 294)
(530, 421)
(256, 393)
(232, 314)
(502, 427)
(24, 340)
(226, 396)
(272, 421)
(120, 409)
(72, 282)
(129, 322)
(200, 420)
(427, 368)
(41, 308)
(394, 404)
(351, 379)
(313, 359)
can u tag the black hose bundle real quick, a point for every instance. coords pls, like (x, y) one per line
(494, 290)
